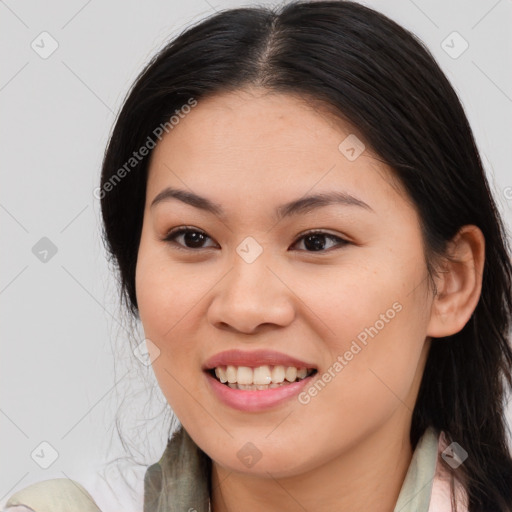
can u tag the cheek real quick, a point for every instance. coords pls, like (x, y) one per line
(372, 372)
(372, 298)
(169, 304)
(373, 319)
(165, 292)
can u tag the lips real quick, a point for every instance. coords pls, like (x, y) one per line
(254, 359)
(255, 401)
(245, 397)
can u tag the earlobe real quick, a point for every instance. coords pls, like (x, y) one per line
(458, 282)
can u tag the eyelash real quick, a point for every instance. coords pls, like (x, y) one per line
(174, 233)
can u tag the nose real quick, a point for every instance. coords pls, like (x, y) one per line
(252, 297)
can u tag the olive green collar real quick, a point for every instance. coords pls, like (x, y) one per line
(180, 480)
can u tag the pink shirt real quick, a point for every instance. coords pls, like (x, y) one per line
(440, 495)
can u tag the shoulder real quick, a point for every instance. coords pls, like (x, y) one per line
(55, 495)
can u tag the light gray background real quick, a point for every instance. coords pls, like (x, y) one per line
(61, 323)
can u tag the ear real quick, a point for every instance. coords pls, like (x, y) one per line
(459, 283)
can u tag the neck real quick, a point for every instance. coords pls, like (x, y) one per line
(368, 476)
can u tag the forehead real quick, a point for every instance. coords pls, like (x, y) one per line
(255, 143)
(254, 119)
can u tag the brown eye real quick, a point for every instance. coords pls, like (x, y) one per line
(314, 241)
(192, 238)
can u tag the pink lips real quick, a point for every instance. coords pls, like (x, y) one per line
(254, 400)
(257, 400)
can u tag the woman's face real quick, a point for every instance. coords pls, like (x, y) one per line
(352, 302)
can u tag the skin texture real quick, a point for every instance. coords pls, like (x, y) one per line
(251, 151)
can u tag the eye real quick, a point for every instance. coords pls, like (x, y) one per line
(192, 237)
(315, 240)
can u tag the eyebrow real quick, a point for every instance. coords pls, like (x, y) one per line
(295, 207)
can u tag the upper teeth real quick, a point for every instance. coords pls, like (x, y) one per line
(260, 375)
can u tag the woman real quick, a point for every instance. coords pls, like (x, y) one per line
(302, 223)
